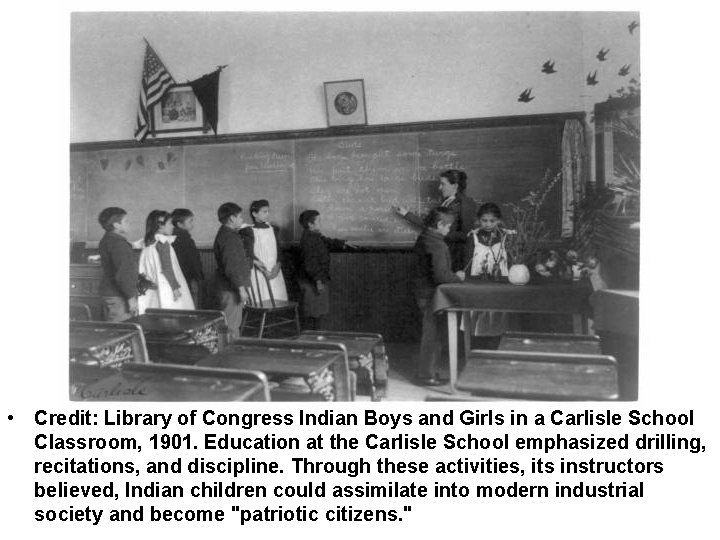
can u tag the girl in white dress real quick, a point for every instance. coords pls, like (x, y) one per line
(488, 260)
(159, 264)
(262, 245)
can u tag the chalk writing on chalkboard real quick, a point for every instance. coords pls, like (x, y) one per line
(353, 182)
(265, 162)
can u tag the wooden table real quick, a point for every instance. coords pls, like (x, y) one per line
(324, 371)
(152, 382)
(457, 299)
(617, 320)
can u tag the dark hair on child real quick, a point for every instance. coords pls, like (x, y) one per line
(109, 216)
(255, 206)
(437, 216)
(489, 208)
(226, 211)
(308, 217)
(455, 177)
(180, 214)
(154, 221)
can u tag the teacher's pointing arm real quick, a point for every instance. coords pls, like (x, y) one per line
(410, 217)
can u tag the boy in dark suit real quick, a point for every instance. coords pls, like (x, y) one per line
(187, 252)
(314, 271)
(233, 267)
(120, 266)
(434, 267)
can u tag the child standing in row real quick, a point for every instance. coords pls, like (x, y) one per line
(118, 287)
(314, 272)
(262, 245)
(159, 264)
(229, 287)
(187, 252)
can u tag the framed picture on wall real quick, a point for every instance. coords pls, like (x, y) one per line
(345, 103)
(178, 111)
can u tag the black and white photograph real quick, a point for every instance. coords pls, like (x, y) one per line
(359, 270)
(473, 234)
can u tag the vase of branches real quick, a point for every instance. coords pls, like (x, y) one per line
(527, 232)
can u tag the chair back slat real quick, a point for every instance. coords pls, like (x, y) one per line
(257, 289)
(270, 293)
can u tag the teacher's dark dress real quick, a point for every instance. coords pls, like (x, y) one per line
(464, 209)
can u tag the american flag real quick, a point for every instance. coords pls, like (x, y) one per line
(155, 81)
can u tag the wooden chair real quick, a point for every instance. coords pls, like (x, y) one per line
(80, 312)
(261, 315)
(540, 376)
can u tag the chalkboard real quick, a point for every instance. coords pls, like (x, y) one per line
(239, 173)
(502, 163)
(351, 179)
(78, 200)
(138, 180)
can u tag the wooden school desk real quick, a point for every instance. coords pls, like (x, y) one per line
(157, 382)
(198, 327)
(531, 375)
(617, 320)
(454, 299)
(96, 349)
(366, 357)
(323, 367)
(107, 343)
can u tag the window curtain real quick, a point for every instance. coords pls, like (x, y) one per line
(574, 168)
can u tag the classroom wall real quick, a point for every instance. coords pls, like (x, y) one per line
(416, 66)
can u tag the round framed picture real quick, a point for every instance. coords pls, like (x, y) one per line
(345, 103)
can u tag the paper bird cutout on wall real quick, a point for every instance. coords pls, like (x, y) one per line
(104, 163)
(127, 164)
(525, 96)
(140, 160)
(549, 67)
(632, 26)
(161, 165)
(624, 70)
(591, 79)
(602, 54)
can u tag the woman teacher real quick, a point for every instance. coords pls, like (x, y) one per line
(452, 188)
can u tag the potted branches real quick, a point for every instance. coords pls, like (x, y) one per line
(527, 232)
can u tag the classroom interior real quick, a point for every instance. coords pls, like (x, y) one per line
(510, 98)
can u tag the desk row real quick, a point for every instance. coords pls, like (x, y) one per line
(175, 355)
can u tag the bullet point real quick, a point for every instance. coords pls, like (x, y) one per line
(10, 416)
